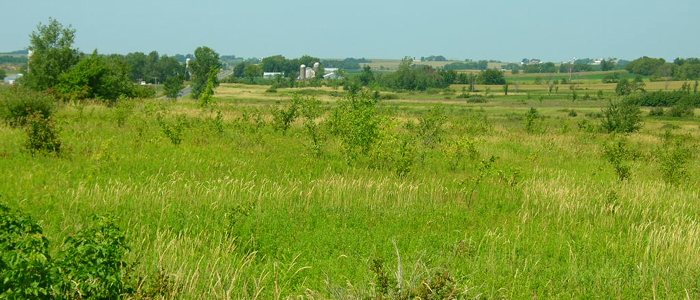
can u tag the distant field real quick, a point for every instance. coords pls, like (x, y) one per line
(393, 64)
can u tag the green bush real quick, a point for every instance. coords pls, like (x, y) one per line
(356, 122)
(42, 134)
(89, 264)
(673, 156)
(92, 265)
(25, 265)
(622, 116)
(18, 103)
(681, 110)
(616, 152)
(656, 112)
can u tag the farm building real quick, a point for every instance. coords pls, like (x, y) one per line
(12, 79)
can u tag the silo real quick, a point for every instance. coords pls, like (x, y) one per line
(302, 72)
(316, 66)
(187, 63)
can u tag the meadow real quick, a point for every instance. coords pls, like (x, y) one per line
(453, 199)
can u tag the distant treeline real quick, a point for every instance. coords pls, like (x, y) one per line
(467, 65)
(346, 64)
(6, 59)
(657, 68)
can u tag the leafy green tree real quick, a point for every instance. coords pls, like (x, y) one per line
(622, 116)
(52, 55)
(2, 73)
(366, 76)
(607, 64)
(645, 65)
(625, 86)
(491, 76)
(206, 61)
(252, 71)
(96, 77)
(173, 85)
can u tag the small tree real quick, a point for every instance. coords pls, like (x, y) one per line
(52, 55)
(42, 134)
(622, 116)
(173, 85)
(252, 71)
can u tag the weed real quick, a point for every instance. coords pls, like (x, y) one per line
(430, 126)
(673, 156)
(173, 130)
(616, 152)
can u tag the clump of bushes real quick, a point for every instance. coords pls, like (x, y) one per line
(622, 117)
(42, 134)
(17, 104)
(88, 265)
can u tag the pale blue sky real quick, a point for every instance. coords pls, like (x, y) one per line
(508, 30)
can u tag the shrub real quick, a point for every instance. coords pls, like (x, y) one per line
(18, 103)
(25, 264)
(673, 155)
(173, 130)
(616, 152)
(173, 85)
(42, 134)
(283, 118)
(621, 117)
(681, 110)
(356, 122)
(430, 126)
(531, 118)
(92, 262)
(656, 112)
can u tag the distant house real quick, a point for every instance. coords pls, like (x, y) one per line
(597, 62)
(272, 75)
(12, 79)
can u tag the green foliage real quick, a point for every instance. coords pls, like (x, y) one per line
(175, 129)
(206, 62)
(616, 152)
(430, 126)
(645, 65)
(123, 110)
(656, 112)
(531, 118)
(206, 98)
(91, 264)
(18, 103)
(491, 77)
(393, 150)
(25, 264)
(253, 71)
(673, 155)
(622, 116)
(283, 118)
(626, 87)
(42, 134)
(457, 150)
(52, 55)
(356, 122)
(682, 109)
(96, 77)
(173, 85)
(666, 98)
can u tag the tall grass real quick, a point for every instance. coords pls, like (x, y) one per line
(249, 213)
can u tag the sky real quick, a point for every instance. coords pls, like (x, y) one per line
(506, 30)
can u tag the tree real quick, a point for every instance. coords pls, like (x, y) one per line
(52, 55)
(645, 65)
(625, 86)
(252, 71)
(2, 73)
(607, 64)
(205, 62)
(96, 77)
(491, 76)
(621, 117)
(366, 76)
(173, 85)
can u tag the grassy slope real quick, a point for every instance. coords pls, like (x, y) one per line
(552, 221)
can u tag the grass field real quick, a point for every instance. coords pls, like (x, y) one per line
(239, 210)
